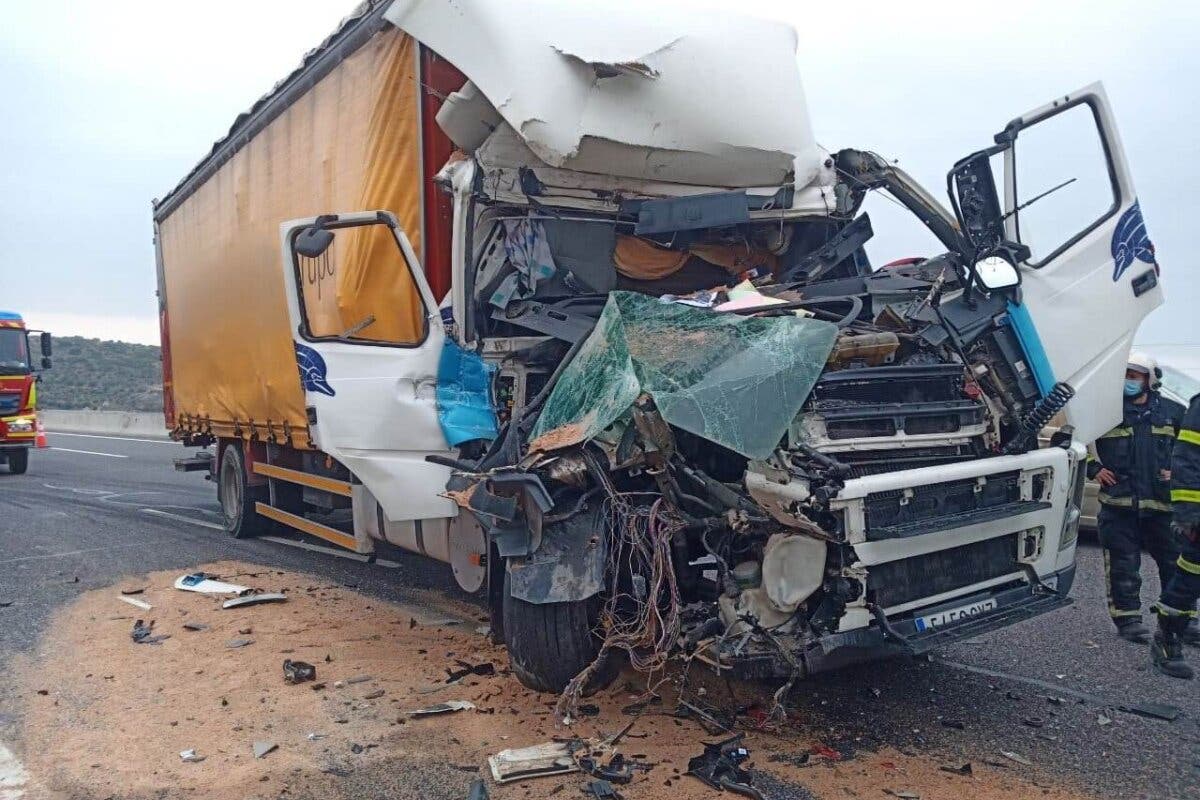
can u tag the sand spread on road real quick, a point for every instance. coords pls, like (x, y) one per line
(108, 718)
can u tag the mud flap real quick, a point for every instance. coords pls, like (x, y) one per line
(569, 563)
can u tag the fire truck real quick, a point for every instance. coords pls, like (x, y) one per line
(18, 390)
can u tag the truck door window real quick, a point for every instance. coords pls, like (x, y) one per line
(361, 289)
(1065, 156)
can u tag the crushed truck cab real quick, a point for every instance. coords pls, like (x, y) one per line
(624, 363)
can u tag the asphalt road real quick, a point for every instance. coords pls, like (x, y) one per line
(92, 510)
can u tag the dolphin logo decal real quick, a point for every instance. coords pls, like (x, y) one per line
(312, 370)
(1130, 241)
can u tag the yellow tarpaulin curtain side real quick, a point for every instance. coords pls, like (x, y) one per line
(351, 143)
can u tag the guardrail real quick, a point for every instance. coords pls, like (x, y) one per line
(140, 424)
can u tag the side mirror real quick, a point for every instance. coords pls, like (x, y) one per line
(45, 362)
(46, 345)
(312, 242)
(976, 202)
(995, 272)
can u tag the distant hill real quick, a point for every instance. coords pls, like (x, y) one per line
(90, 373)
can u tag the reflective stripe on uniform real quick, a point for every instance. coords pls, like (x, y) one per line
(1164, 610)
(1189, 436)
(1185, 495)
(1187, 566)
(1143, 505)
(1117, 433)
(1163, 430)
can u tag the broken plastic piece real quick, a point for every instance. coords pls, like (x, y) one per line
(236, 643)
(254, 599)
(443, 708)
(262, 748)
(551, 758)
(203, 583)
(144, 634)
(720, 766)
(191, 756)
(484, 669)
(1020, 759)
(298, 671)
(478, 790)
(133, 601)
(1153, 710)
(195, 626)
(602, 790)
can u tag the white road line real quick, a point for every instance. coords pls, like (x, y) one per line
(75, 552)
(13, 776)
(87, 452)
(316, 548)
(182, 518)
(114, 438)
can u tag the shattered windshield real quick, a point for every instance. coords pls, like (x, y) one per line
(737, 381)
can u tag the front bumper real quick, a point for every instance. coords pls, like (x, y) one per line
(901, 637)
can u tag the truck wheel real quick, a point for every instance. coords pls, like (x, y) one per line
(18, 461)
(550, 643)
(238, 498)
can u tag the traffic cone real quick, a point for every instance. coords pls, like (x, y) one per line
(40, 440)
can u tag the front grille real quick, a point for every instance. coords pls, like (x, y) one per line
(10, 403)
(908, 507)
(874, 462)
(897, 582)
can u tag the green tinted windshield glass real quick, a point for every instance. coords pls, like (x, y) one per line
(737, 381)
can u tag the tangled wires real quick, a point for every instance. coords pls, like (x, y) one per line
(641, 611)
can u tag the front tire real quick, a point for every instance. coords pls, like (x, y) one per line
(238, 498)
(550, 643)
(18, 461)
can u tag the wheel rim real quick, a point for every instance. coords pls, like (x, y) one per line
(231, 490)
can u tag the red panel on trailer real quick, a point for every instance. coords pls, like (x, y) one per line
(438, 78)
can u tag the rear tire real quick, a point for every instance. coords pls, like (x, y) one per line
(238, 498)
(550, 643)
(18, 461)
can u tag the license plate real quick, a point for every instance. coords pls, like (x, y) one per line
(954, 615)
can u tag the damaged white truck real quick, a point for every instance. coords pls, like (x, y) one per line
(582, 309)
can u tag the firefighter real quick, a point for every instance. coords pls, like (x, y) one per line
(1132, 464)
(1177, 606)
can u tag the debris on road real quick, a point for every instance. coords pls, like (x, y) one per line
(138, 590)
(204, 583)
(191, 756)
(962, 769)
(255, 599)
(195, 626)
(144, 634)
(1103, 720)
(298, 671)
(133, 601)
(262, 748)
(551, 758)
(356, 679)
(315, 737)
(478, 790)
(1161, 711)
(1020, 759)
(720, 766)
(233, 644)
(375, 695)
(602, 790)
(483, 670)
(443, 708)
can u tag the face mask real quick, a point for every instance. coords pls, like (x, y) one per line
(1134, 387)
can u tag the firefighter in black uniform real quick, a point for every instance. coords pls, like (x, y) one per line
(1132, 465)
(1177, 606)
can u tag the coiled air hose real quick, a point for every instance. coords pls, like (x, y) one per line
(1039, 417)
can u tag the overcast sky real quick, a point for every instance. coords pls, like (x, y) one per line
(108, 105)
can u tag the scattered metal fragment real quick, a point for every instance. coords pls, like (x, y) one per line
(483, 670)
(443, 708)
(236, 643)
(1152, 710)
(375, 695)
(262, 748)
(203, 583)
(138, 590)
(602, 790)
(957, 725)
(551, 758)
(903, 794)
(1020, 759)
(144, 634)
(133, 601)
(298, 671)
(255, 599)
(191, 756)
(1103, 719)
(195, 626)
(315, 737)
(961, 769)
(357, 679)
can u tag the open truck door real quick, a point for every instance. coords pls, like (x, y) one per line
(368, 339)
(1071, 222)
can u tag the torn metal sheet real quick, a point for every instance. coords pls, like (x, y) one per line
(737, 381)
(255, 599)
(133, 601)
(551, 758)
(610, 89)
(443, 708)
(569, 563)
(204, 583)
